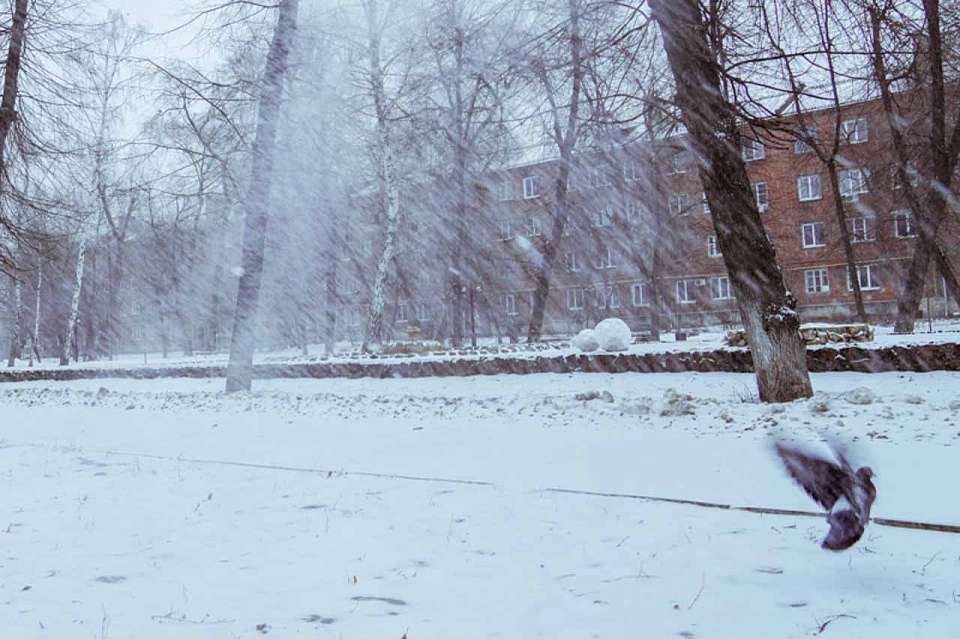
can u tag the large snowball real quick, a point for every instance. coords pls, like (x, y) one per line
(586, 341)
(613, 334)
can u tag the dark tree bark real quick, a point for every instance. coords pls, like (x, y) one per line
(766, 307)
(243, 339)
(11, 78)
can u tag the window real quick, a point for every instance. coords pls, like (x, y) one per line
(607, 297)
(720, 288)
(800, 145)
(634, 212)
(685, 294)
(531, 187)
(402, 312)
(640, 294)
(861, 229)
(853, 182)
(912, 175)
(812, 235)
(600, 178)
(510, 303)
(816, 281)
(534, 227)
(505, 230)
(753, 150)
(706, 204)
(713, 249)
(631, 171)
(605, 259)
(903, 224)
(679, 203)
(574, 299)
(761, 195)
(573, 184)
(423, 312)
(603, 217)
(571, 262)
(678, 164)
(809, 188)
(506, 189)
(867, 276)
(854, 131)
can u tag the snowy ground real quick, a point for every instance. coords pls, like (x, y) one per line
(710, 339)
(421, 507)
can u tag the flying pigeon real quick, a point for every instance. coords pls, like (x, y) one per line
(846, 494)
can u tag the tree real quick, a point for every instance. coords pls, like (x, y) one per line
(767, 309)
(243, 339)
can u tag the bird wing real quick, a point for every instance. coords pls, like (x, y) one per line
(824, 480)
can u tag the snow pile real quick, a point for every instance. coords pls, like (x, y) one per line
(613, 335)
(861, 396)
(586, 341)
(676, 404)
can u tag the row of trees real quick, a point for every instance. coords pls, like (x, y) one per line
(263, 192)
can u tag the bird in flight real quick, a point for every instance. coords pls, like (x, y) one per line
(845, 493)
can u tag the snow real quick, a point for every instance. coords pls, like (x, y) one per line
(613, 335)
(586, 341)
(426, 507)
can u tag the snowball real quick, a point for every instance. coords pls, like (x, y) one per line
(586, 341)
(613, 334)
(860, 395)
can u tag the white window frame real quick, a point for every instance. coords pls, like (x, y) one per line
(534, 226)
(575, 299)
(510, 304)
(813, 227)
(422, 312)
(713, 247)
(705, 202)
(816, 280)
(852, 189)
(571, 261)
(402, 313)
(763, 202)
(809, 187)
(753, 150)
(605, 259)
(607, 296)
(871, 284)
(677, 164)
(505, 230)
(506, 189)
(631, 171)
(689, 296)
(854, 131)
(531, 187)
(603, 217)
(800, 145)
(600, 178)
(907, 217)
(634, 209)
(639, 294)
(679, 203)
(720, 289)
(861, 229)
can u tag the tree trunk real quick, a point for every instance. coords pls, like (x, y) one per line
(15, 338)
(35, 339)
(389, 193)
(243, 339)
(70, 335)
(766, 307)
(11, 76)
(332, 302)
(840, 210)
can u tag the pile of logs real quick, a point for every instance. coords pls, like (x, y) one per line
(818, 334)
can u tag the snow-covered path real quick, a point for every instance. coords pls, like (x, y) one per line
(108, 534)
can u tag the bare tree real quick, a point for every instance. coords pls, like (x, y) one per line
(766, 307)
(243, 340)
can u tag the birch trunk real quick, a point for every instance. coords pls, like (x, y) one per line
(766, 307)
(35, 339)
(70, 334)
(15, 340)
(389, 193)
(243, 339)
